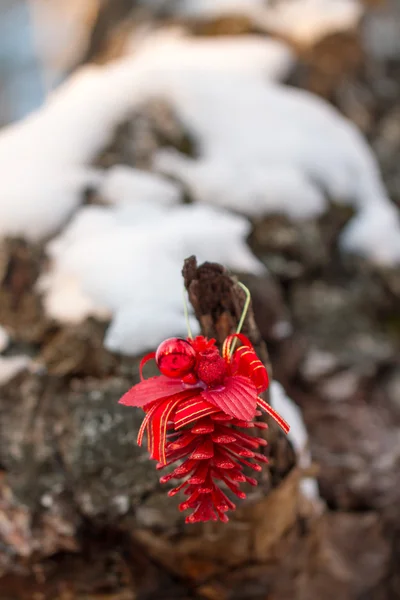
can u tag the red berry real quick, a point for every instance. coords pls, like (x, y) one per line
(175, 357)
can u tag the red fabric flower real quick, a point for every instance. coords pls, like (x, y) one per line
(195, 411)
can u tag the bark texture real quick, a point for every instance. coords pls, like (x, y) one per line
(82, 514)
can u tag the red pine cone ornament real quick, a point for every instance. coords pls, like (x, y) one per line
(196, 411)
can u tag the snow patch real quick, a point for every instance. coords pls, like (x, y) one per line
(261, 145)
(304, 21)
(374, 232)
(298, 436)
(37, 198)
(308, 21)
(115, 260)
(43, 158)
(126, 185)
(170, 49)
(262, 152)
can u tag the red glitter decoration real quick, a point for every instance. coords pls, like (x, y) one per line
(195, 413)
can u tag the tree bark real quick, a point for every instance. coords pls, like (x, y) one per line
(82, 514)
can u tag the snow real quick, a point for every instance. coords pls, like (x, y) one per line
(262, 152)
(375, 232)
(308, 21)
(4, 339)
(171, 50)
(10, 366)
(44, 157)
(298, 436)
(37, 198)
(118, 260)
(125, 185)
(304, 21)
(260, 143)
(263, 148)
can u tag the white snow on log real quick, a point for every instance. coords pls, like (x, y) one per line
(264, 147)
(37, 198)
(4, 339)
(269, 148)
(170, 49)
(298, 435)
(308, 21)
(304, 21)
(43, 158)
(125, 185)
(10, 366)
(117, 259)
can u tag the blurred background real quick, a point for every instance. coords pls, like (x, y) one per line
(260, 134)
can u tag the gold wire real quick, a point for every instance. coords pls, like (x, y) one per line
(186, 311)
(244, 313)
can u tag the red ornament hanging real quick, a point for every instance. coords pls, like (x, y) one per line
(196, 411)
(175, 357)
